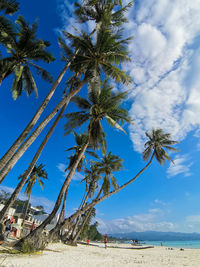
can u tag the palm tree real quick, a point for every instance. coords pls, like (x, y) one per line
(91, 179)
(157, 143)
(91, 184)
(104, 56)
(110, 163)
(36, 175)
(119, 45)
(106, 105)
(156, 147)
(80, 142)
(29, 170)
(6, 25)
(106, 166)
(102, 11)
(102, 104)
(9, 6)
(24, 49)
(85, 224)
(80, 139)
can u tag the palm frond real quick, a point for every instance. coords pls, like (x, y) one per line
(43, 73)
(29, 82)
(9, 6)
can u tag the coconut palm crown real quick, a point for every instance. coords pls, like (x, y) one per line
(108, 12)
(9, 6)
(91, 178)
(101, 104)
(96, 57)
(157, 144)
(37, 174)
(109, 163)
(80, 139)
(24, 48)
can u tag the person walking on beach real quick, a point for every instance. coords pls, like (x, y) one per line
(105, 240)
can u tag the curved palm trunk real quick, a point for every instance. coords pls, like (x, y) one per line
(36, 234)
(7, 156)
(30, 168)
(38, 130)
(96, 201)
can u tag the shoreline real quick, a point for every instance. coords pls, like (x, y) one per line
(58, 254)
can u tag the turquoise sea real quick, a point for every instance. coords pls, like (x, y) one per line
(177, 244)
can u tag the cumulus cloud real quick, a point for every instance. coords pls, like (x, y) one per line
(180, 166)
(165, 63)
(151, 221)
(76, 177)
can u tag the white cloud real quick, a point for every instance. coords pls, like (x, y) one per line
(193, 218)
(180, 166)
(151, 221)
(66, 12)
(62, 167)
(76, 177)
(165, 63)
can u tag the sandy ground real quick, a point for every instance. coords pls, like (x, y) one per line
(92, 256)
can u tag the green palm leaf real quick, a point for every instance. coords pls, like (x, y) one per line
(158, 140)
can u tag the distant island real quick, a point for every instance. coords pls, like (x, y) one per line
(157, 236)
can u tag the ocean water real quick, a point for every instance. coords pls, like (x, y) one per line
(177, 244)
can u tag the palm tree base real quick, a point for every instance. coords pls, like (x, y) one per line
(35, 241)
(71, 243)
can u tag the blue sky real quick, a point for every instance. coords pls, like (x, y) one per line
(165, 93)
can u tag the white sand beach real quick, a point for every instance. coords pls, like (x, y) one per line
(59, 254)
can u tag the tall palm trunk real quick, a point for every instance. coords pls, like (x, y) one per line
(7, 156)
(74, 240)
(83, 203)
(36, 234)
(76, 234)
(54, 234)
(30, 168)
(34, 135)
(62, 212)
(25, 213)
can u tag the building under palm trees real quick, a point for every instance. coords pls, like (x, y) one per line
(34, 215)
